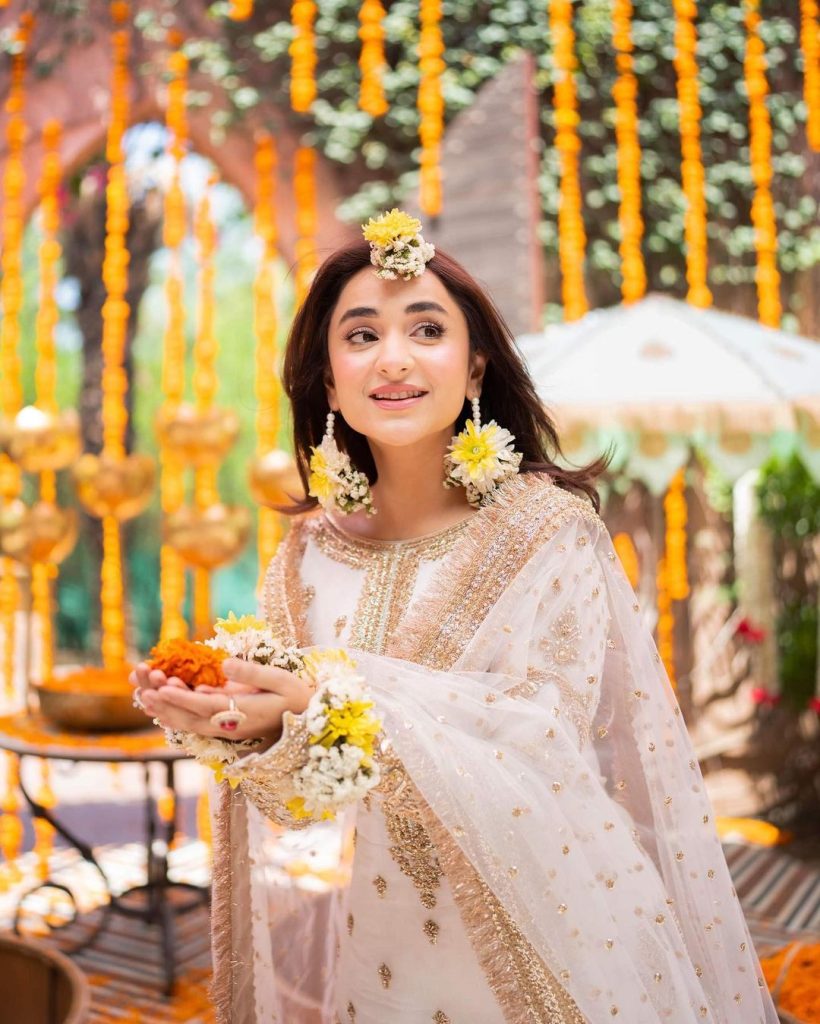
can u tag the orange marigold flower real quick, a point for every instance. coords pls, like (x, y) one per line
(194, 663)
(91, 679)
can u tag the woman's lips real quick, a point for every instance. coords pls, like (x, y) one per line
(395, 403)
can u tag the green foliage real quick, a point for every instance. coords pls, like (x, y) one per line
(789, 501)
(380, 157)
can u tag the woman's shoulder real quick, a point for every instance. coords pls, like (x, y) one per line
(535, 497)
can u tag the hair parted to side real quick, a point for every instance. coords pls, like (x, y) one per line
(508, 394)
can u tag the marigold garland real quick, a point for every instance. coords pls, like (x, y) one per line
(792, 977)
(205, 383)
(626, 552)
(693, 177)
(571, 234)
(304, 186)
(431, 105)
(45, 373)
(11, 297)
(810, 44)
(172, 494)
(767, 276)
(44, 830)
(666, 622)
(674, 506)
(264, 325)
(302, 52)
(371, 59)
(11, 828)
(115, 314)
(625, 92)
(240, 10)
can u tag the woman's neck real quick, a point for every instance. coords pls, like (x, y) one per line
(410, 495)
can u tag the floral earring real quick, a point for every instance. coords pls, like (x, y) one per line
(333, 480)
(480, 458)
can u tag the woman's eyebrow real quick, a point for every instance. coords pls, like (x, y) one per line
(359, 311)
(414, 307)
(424, 307)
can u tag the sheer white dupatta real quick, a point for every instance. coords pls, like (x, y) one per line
(534, 734)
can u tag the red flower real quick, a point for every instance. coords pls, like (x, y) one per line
(760, 695)
(814, 704)
(750, 633)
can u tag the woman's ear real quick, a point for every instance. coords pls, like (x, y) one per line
(478, 364)
(330, 390)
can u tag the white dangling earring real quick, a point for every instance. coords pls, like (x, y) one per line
(333, 480)
(480, 458)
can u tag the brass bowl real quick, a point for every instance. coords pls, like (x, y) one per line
(90, 711)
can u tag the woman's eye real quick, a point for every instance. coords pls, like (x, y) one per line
(431, 330)
(361, 334)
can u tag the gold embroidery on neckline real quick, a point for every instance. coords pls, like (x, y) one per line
(391, 569)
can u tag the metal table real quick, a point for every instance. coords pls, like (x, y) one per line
(31, 735)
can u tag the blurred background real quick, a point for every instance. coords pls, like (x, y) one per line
(635, 183)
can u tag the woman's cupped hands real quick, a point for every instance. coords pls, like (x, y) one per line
(261, 692)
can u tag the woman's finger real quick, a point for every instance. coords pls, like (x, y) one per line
(273, 680)
(156, 678)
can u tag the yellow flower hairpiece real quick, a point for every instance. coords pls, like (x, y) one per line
(397, 247)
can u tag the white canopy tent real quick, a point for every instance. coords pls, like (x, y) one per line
(660, 375)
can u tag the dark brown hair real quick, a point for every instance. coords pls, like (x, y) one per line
(508, 394)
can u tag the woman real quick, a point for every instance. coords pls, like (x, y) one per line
(539, 847)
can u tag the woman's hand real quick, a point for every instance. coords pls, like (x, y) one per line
(262, 692)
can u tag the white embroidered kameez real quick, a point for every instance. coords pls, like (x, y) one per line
(540, 848)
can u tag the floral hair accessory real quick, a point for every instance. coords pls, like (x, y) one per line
(397, 247)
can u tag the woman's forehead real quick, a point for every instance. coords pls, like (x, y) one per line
(365, 290)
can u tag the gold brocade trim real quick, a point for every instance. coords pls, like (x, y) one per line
(232, 988)
(391, 568)
(526, 990)
(411, 848)
(285, 598)
(263, 777)
(521, 516)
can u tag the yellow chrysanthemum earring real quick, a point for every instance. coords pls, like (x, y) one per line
(333, 480)
(480, 458)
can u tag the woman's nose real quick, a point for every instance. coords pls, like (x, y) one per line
(394, 357)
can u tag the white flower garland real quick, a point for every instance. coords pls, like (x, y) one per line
(340, 766)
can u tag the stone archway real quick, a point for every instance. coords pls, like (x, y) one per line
(76, 92)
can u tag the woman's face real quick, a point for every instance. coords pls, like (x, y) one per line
(400, 359)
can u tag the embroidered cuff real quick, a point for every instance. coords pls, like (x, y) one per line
(266, 779)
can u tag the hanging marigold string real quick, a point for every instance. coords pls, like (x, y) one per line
(674, 507)
(240, 10)
(11, 828)
(205, 385)
(302, 52)
(304, 186)
(11, 296)
(44, 830)
(666, 623)
(264, 325)
(571, 234)
(45, 373)
(760, 151)
(172, 490)
(431, 106)
(625, 550)
(371, 60)
(810, 44)
(625, 93)
(115, 313)
(693, 177)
